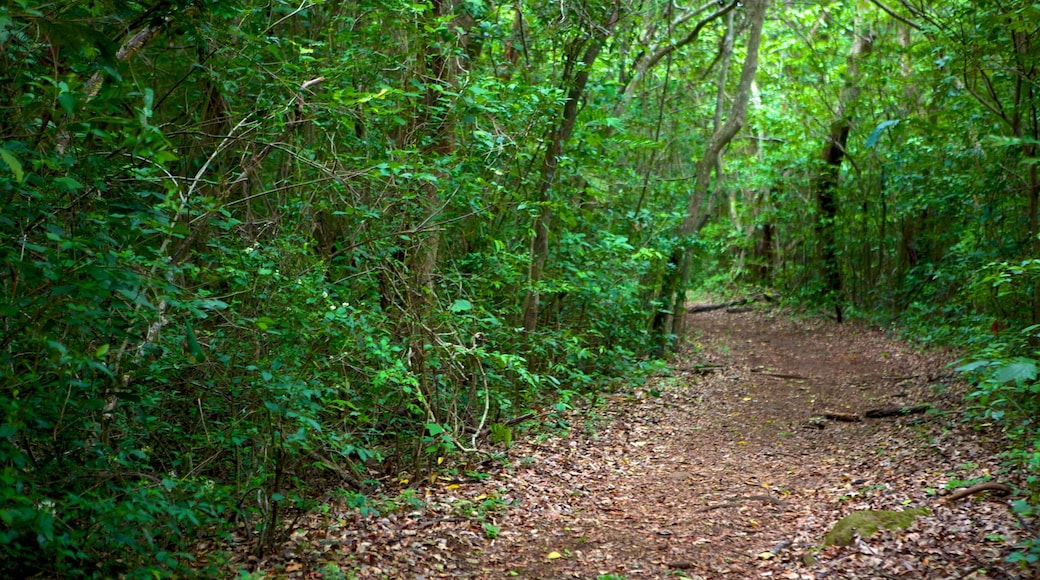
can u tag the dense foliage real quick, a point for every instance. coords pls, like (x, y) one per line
(254, 248)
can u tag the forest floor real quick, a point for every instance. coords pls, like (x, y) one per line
(723, 468)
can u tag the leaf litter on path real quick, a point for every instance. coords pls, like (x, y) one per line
(732, 473)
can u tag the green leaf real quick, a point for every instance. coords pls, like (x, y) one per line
(461, 305)
(67, 102)
(1020, 370)
(101, 351)
(972, 366)
(13, 164)
(876, 133)
(68, 183)
(434, 429)
(212, 304)
(135, 296)
(194, 348)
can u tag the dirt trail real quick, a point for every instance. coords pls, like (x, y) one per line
(723, 469)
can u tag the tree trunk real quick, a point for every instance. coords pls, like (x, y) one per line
(673, 286)
(655, 52)
(576, 75)
(1030, 129)
(436, 121)
(828, 177)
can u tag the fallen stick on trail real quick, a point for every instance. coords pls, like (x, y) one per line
(733, 305)
(986, 486)
(736, 501)
(846, 417)
(710, 307)
(781, 375)
(895, 411)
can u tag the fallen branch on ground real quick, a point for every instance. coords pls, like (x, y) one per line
(895, 411)
(846, 417)
(697, 370)
(734, 304)
(986, 486)
(781, 375)
(710, 307)
(736, 501)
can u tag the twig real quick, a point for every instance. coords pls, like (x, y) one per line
(736, 501)
(896, 15)
(896, 411)
(343, 473)
(986, 486)
(782, 375)
(846, 417)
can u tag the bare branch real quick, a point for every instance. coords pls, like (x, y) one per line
(992, 104)
(919, 12)
(658, 52)
(895, 15)
(665, 50)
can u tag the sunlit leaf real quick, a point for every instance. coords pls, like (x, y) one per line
(13, 164)
(461, 305)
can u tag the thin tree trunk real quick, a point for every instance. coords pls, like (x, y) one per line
(437, 122)
(827, 179)
(720, 104)
(1030, 151)
(674, 285)
(577, 76)
(1031, 130)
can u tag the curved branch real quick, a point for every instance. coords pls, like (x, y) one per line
(895, 15)
(985, 486)
(659, 52)
(919, 12)
(665, 50)
(993, 105)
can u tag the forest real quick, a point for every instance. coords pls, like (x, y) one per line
(257, 249)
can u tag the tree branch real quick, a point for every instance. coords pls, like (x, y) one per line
(895, 15)
(658, 52)
(919, 12)
(996, 109)
(693, 34)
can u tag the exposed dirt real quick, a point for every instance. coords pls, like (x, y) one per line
(723, 469)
